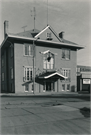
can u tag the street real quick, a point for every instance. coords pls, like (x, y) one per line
(45, 115)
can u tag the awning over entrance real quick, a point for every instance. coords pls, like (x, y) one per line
(48, 75)
(51, 75)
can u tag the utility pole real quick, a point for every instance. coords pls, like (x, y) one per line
(33, 67)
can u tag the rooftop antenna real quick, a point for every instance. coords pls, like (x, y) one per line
(24, 27)
(47, 12)
(33, 13)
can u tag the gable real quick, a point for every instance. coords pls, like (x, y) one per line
(48, 34)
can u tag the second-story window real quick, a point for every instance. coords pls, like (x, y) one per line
(48, 61)
(66, 54)
(28, 50)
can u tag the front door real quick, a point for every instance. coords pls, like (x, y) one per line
(49, 86)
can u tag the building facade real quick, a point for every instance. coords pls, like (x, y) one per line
(38, 61)
(83, 78)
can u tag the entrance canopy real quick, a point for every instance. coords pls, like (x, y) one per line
(48, 75)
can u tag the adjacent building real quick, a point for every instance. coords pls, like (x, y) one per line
(83, 78)
(38, 61)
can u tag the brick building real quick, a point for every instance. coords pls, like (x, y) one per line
(52, 57)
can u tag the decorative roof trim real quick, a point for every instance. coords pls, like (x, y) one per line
(51, 30)
(47, 52)
(42, 31)
(46, 77)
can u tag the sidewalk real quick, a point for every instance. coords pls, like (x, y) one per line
(44, 94)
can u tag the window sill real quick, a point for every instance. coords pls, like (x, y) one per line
(28, 55)
(65, 59)
(26, 91)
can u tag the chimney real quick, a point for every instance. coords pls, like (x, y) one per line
(5, 28)
(61, 34)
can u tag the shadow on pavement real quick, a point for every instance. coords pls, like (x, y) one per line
(85, 111)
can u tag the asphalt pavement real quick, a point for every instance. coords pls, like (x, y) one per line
(53, 114)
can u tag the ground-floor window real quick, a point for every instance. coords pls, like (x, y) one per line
(68, 87)
(26, 88)
(28, 73)
(66, 73)
(63, 87)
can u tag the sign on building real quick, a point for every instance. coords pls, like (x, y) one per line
(86, 81)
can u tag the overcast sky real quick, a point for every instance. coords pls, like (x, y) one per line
(71, 16)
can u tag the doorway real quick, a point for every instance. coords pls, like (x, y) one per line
(48, 86)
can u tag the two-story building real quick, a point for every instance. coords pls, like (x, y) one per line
(38, 61)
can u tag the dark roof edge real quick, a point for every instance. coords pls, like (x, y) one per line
(38, 40)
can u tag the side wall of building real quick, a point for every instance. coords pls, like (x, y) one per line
(20, 61)
(7, 64)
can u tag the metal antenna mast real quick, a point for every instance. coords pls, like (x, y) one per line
(24, 27)
(47, 12)
(33, 13)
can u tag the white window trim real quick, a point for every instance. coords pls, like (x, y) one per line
(62, 87)
(25, 75)
(69, 54)
(28, 88)
(30, 67)
(66, 70)
(67, 89)
(30, 45)
(48, 34)
(50, 64)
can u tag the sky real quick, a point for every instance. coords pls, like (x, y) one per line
(71, 16)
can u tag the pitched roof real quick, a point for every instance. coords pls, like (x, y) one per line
(30, 33)
(68, 42)
(48, 27)
(33, 35)
(61, 40)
